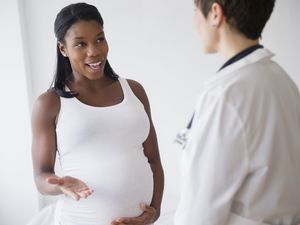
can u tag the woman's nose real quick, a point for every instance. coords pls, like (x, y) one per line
(93, 51)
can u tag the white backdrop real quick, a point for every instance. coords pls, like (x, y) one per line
(18, 199)
(153, 42)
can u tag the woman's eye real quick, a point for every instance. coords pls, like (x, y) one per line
(80, 44)
(100, 39)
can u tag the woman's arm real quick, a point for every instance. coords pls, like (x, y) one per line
(45, 111)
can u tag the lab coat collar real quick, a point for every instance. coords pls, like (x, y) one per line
(257, 55)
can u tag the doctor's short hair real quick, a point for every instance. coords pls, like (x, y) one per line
(248, 17)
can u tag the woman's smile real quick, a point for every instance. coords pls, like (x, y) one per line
(95, 67)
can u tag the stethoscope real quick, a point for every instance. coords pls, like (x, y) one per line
(182, 136)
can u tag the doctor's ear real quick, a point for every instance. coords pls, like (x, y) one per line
(62, 49)
(216, 15)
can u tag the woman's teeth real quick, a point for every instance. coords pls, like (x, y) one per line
(95, 65)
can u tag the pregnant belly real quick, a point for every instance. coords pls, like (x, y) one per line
(119, 185)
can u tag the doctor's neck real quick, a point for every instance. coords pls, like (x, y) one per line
(232, 42)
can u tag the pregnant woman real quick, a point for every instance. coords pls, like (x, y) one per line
(100, 126)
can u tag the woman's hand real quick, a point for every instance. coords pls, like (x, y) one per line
(147, 217)
(71, 186)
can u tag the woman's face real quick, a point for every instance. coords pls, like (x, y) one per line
(86, 47)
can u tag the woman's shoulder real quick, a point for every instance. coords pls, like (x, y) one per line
(136, 87)
(139, 91)
(47, 103)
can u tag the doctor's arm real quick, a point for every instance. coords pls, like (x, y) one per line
(218, 166)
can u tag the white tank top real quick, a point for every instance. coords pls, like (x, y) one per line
(103, 146)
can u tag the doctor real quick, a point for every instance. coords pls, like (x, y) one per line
(241, 163)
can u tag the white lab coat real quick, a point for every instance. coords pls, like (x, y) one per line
(241, 164)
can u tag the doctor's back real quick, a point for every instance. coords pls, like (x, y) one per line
(241, 163)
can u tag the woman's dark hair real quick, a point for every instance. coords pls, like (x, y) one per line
(64, 20)
(249, 17)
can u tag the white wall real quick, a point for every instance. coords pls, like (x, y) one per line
(155, 43)
(282, 36)
(18, 200)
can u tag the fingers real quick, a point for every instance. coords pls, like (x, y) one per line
(71, 194)
(121, 221)
(79, 193)
(147, 208)
(149, 213)
(84, 193)
(145, 218)
(124, 220)
(71, 187)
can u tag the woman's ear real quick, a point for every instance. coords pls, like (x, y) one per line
(216, 15)
(62, 48)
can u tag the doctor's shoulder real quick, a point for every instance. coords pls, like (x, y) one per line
(46, 107)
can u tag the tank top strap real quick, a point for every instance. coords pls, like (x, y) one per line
(128, 93)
